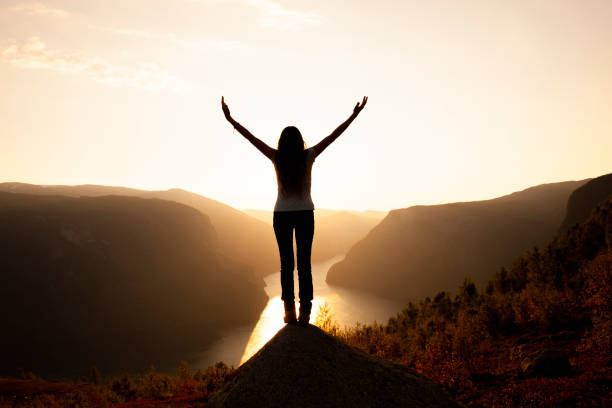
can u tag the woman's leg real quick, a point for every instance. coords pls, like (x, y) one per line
(304, 231)
(283, 229)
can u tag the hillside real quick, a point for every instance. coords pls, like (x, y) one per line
(119, 282)
(537, 336)
(422, 249)
(240, 236)
(582, 201)
(305, 367)
(474, 345)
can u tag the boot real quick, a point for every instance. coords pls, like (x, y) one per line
(290, 312)
(305, 308)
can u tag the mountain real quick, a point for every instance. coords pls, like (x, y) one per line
(546, 314)
(240, 236)
(420, 250)
(582, 201)
(261, 215)
(305, 367)
(336, 231)
(320, 213)
(113, 281)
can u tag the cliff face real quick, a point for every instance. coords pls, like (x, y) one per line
(305, 367)
(582, 201)
(117, 282)
(418, 251)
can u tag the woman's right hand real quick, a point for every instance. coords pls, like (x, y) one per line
(226, 110)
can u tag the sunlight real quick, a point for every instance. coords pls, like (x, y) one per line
(270, 322)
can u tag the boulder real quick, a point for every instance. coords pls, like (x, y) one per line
(306, 367)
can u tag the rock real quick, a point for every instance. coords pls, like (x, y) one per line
(306, 367)
(546, 363)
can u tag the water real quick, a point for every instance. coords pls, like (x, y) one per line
(348, 307)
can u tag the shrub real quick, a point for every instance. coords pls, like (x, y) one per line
(325, 321)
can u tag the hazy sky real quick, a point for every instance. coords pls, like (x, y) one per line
(467, 99)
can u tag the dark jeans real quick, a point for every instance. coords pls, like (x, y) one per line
(284, 224)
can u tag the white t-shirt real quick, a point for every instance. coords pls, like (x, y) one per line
(301, 201)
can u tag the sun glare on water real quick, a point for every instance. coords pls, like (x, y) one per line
(270, 322)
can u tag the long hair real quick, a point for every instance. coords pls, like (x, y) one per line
(290, 161)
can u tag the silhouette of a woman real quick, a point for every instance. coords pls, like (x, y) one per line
(294, 209)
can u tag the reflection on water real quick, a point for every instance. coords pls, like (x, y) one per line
(270, 322)
(347, 306)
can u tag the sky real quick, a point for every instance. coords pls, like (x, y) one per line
(468, 100)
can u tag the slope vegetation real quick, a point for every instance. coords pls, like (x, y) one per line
(554, 300)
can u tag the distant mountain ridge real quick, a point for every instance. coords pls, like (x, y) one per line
(113, 281)
(417, 251)
(266, 216)
(336, 231)
(240, 236)
(246, 236)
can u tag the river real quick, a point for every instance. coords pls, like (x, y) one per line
(347, 306)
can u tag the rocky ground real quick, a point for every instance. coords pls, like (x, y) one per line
(306, 367)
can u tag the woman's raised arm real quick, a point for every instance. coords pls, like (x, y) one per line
(261, 146)
(322, 145)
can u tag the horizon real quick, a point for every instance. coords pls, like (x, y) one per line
(466, 103)
(270, 210)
